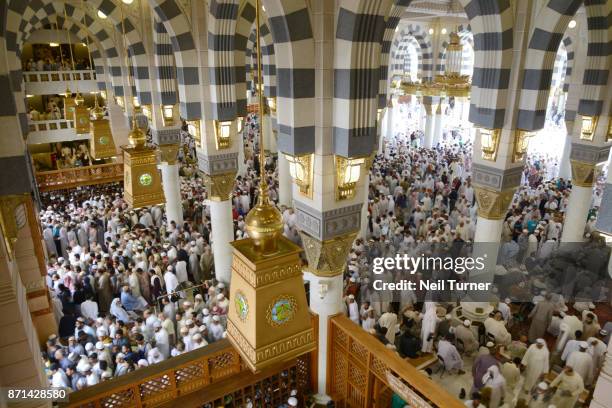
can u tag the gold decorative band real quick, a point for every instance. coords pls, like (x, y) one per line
(493, 205)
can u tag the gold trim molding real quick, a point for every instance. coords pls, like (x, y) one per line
(583, 174)
(493, 205)
(169, 153)
(327, 258)
(220, 186)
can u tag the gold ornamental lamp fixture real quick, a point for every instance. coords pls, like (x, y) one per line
(609, 132)
(121, 102)
(146, 110)
(101, 142)
(69, 104)
(193, 127)
(589, 124)
(521, 144)
(489, 140)
(348, 172)
(300, 169)
(268, 319)
(223, 134)
(272, 105)
(136, 103)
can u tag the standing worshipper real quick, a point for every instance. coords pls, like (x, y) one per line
(541, 316)
(482, 363)
(105, 291)
(170, 280)
(496, 382)
(389, 321)
(536, 361)
(569, 386)
(582, 363)
(428, 327)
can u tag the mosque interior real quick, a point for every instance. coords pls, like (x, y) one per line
(306, 203)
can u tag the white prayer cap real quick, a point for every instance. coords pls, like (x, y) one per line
(583, 345)
(220, 296)
(205, 312)
(591, 306)
(540, 341)
(490, 344)
(86, 367)
(100, 320)
(292, 401)
(351, 297)
(120, 356)
(215, 318)
(101, 331)
(543, 386)
(100, 345)
(199, 297)
(106, 374)
(293, 393)
(157, 324)
(184, 330)
(508, 301)
(202, 328)
(467, 323)
(197, 336)
(448, 316)
(143, 363)
(221, 285)
(352, 279)
(188, 322)
(89, 347)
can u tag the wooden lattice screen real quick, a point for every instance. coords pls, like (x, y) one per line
(357, 367)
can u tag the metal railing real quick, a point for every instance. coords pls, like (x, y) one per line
(79, 176)
(56, 76)
(45, 125)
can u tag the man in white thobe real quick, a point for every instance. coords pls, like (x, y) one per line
(582, 363)
(569, 386)
(389, 321)
(170, 280)
(181, 271)
(353, 309)
(536, 361)
(89, 309)
(162, 342)
(428, 327)
(451, 357)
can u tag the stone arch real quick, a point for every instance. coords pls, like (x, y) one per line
(544, 41)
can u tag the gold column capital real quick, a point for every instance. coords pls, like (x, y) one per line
(10, 220)
(169, 152)
(219, 186)
(493, 205)
(583, 174)
(327, 258)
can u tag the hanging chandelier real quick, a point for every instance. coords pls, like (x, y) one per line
(451, 83)
(102, 144)
(268, 321)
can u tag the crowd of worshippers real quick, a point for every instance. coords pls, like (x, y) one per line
(119, 278)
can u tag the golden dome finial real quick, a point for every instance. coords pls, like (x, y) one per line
(264, 222)
(136, 137)
(454, 38)
(97, 111)
(78, 99)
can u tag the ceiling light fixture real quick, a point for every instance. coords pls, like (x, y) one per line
(128, 1)
(431, 31)
(572, 24)
(444, 31)
(101, 14)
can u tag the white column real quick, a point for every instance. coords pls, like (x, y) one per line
(437, 132)
(389, 125)
(576, 214)
(565, 168)
(488, 230)
(119, 124)
(429, 130)
(364, 211)
(325, 306)
(242, 168)
(222, 235)
(285, 184)
(602, 397)
(270, 141)
(172, 191)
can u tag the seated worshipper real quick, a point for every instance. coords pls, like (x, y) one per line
(568, 386)
(536, 363)
(496, 382)
(466, 338)
(131, 302)
(449, 355)
(496, 327)
(482, 363)
(119, 311)
(518, 348)
(475, 402)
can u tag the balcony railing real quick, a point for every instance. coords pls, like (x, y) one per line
(44, 125)
(56, 76)
(79, 176)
